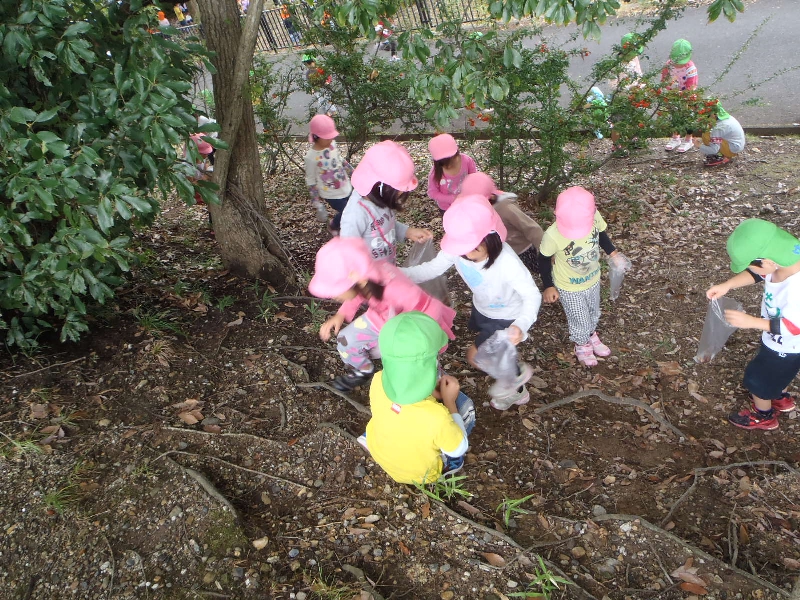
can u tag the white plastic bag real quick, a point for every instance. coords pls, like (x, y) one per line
(497, 357)
(617, 267)
(322, 212)
(716, 330)
(423, 252)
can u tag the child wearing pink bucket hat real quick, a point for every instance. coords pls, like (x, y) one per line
(524, 234)
(450, 168)
(569, 262)
(504, 296)
(346, 271)
(327, 173)
(383, 180)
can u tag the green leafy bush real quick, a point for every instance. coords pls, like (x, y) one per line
(93, 119)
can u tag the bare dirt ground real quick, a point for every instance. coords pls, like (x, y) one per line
(177, 452)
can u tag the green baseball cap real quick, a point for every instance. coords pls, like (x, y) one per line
(409, 345)
(630, 44)
(681, 52)
(756, 238)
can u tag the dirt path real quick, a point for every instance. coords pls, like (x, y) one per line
(175, 453)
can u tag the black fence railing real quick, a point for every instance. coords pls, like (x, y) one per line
(276, 33)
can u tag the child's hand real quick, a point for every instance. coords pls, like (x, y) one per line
(742, 320)
(333, 324)
(515, 334)
(717, 291)
(447, 389)
(550, 295)
(697, 142)
(415, 234)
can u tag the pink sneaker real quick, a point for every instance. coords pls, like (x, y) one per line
(585, 355)
(598, 347)
(673, 143)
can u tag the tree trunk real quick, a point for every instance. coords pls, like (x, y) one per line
(248, 241)
(194, 10)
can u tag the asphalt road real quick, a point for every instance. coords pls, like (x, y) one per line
(744, 89)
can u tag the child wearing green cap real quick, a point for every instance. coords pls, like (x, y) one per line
(762, 252)
(725, 140)
(420, 421)
(680, 73)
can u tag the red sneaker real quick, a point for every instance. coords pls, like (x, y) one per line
(785, 403)
(749, 419)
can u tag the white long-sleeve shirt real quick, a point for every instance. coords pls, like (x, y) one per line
(503, 291)
(377, 226)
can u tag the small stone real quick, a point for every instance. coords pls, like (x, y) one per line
(319, 483)
(377, 552)
(578, 552)
(511, 583)
(448, 595)
(210, 421)
(568, 464)
(410, 516)
(104, 422)
(598, 510)
(301, 596)
(609, 479)
(293, 552)
(372, 518)
(208, 577)
(626, 527)
(444, 568)
(265, 498)
(238, 572)
(359, 471)
(176, 513)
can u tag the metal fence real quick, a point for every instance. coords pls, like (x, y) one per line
(276, 33)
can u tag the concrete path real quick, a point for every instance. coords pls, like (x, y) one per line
(775, 47)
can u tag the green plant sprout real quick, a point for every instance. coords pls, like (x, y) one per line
(445, 489)
(543, 584)
(317, 313)
(510, 506)
(225, 302)
(267, 306)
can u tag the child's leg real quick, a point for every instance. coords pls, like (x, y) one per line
(337, 204)
(355, 342)
(766, 378)
(581, 322)
(466, 408)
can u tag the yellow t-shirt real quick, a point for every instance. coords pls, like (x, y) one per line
(577, 262)
(407, 441)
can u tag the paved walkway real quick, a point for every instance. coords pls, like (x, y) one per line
(775, 47)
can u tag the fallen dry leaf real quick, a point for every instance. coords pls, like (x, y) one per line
(188, 418)
(236, 322)
(403, 548)
(494, 559)
(669, 368)
(528, 424)
(469, 508)
(426, 510)
(212, 428)
(716, 454)
(693, 588)
(38, 411)
(188, 404)
(791, 563)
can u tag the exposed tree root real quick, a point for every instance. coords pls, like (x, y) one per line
(345, 434)
(362, 580)
(53, 366)
(230, 464)
(761, 583)
(625, 401)
(243, 436)
(700, 470)
(321, 384)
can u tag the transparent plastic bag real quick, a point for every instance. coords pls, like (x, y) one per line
(716, 329)
(423, 252)
(617, 267)
(322, 212)
(497, 357)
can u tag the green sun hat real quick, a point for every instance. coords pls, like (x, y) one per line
(756, 238)
(630, 45)
(681, 52)
(409, 345)
(722, 114)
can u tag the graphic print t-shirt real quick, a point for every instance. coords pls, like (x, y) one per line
(577, 262)
(782, 300)
(325, 169)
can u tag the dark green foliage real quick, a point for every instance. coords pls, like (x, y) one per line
(93, 119)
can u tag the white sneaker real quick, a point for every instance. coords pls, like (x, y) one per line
(684, 147)
(672, 144)
(509, 400)
(362, 439)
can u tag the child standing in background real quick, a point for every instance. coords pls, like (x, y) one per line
(504, 296)
(345, 270)
(382, 181)
(326, 171)
(680, 73)
(569, 262)
(450, 167)
(524, 234)
(762, 252)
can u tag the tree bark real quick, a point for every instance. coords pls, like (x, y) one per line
(194, 10)
(248, 242)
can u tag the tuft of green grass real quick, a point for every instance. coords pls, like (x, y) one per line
(318, 314)
(157, 323)
(327, 588)
(445, 488)
(267, 306)
(60, 499)
(543, 584)
(225, 302)
(511, 506)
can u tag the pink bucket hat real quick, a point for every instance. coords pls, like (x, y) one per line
(467, 222)
(322, 126)
(575, 210)
(203, 147)
(442, 146)
(479, 184)
(387, 162)
(339, 265)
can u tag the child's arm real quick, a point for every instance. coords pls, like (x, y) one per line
(742, 279)
(332, 325)
(447, 390)
(523, 284)
(469, 162)
(550, 293)
(436, 194)
(431, 269)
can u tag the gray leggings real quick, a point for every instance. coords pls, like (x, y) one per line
(583, 312)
